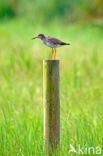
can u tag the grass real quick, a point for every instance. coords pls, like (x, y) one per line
(21, 108)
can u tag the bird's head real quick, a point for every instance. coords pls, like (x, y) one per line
(41, 36)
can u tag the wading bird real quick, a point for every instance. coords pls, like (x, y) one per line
(51, 42)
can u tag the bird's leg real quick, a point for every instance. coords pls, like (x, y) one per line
(54, 53)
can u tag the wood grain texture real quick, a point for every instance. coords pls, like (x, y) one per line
(51, 102)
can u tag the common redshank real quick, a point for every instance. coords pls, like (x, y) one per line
(51, 42)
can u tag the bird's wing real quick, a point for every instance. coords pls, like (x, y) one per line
(54, 40)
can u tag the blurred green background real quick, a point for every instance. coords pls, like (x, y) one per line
(79, 22)
(44, 10)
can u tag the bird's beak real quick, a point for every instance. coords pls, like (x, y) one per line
(34, 37)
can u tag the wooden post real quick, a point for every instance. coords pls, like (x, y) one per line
(51, 101)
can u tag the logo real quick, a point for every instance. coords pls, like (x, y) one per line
(85, 150)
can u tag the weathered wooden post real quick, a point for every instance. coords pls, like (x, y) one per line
(51, 101)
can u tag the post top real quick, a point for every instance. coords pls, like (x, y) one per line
(51, 61)
(48, 60)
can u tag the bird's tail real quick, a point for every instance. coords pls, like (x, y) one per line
(67, 43)
(63, 43)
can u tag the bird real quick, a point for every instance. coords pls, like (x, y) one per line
(51, 42)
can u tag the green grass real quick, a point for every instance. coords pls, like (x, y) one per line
(21, 107)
